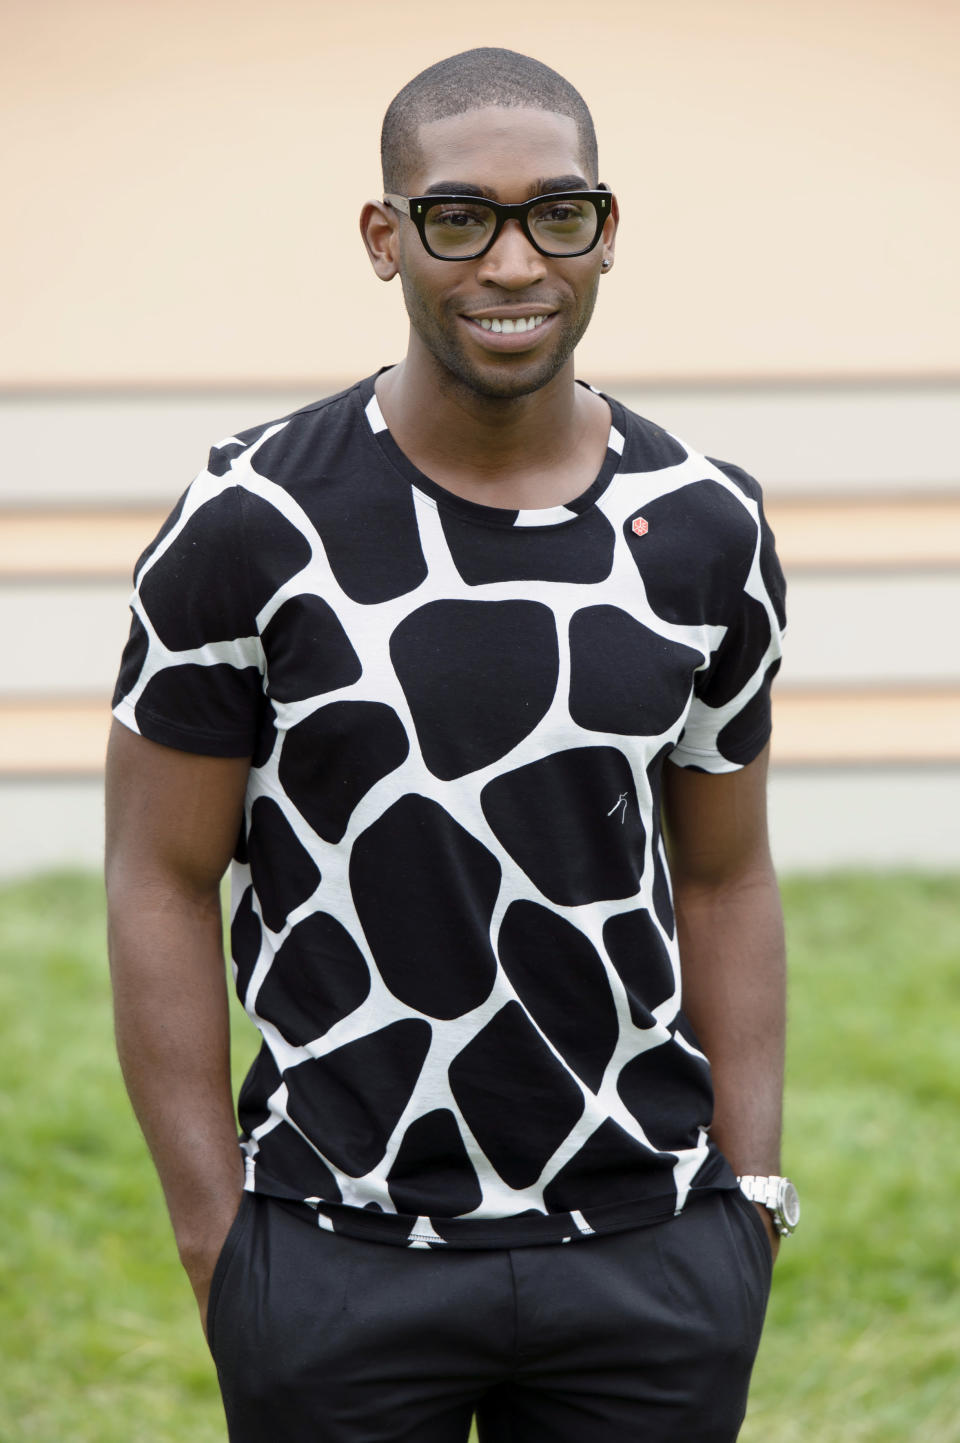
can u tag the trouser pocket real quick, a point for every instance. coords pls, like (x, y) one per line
(749, 1209)
(225, 1261)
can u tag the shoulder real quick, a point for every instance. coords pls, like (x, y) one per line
(240, 492)
(746, 484)
(648, 446)
(682, 482)
(643, 444)
(279, 449)
(694, 526)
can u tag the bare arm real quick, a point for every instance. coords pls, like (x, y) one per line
(172, 822)
(730, 930)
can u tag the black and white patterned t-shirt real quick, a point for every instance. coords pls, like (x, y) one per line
(451, 912)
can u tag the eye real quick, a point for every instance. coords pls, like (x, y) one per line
(560, 213)
(458, 217)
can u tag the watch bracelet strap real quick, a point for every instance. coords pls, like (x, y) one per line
(767, 1191)
(760, 1189)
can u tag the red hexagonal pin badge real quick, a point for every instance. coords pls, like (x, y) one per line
(640, 527)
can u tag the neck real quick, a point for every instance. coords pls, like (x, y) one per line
(469, 441)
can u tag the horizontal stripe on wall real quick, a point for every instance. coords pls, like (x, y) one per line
(812, 727)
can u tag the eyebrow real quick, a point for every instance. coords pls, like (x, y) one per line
(544, 186)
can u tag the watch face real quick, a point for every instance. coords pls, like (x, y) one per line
(789, 1203)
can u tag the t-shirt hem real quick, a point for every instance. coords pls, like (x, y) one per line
(182, 738)
(747, 752)
(404, 1230)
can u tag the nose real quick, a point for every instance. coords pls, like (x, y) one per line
(511, 262)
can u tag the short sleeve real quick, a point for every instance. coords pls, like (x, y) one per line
(729, 721)
(191, 672)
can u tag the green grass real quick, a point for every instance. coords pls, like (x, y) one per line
(863, 1336)
(99, 1341)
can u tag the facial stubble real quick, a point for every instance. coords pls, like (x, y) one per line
(506, 376)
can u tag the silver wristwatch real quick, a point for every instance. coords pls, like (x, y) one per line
(778, 1195)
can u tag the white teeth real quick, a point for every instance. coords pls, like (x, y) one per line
(508, 327)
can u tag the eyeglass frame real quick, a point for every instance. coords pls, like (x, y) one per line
(601, 199)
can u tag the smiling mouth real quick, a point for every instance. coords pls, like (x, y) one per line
(507, 326)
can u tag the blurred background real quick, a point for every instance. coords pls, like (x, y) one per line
(180, 259)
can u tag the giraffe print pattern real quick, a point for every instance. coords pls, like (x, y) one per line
(451, 909)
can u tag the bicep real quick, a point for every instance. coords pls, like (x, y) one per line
(171, 816)
(715, 825)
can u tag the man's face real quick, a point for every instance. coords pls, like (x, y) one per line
(509, 155)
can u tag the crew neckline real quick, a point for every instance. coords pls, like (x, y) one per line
(529, 518)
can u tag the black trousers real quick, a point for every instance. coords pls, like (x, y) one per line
(635, 1337)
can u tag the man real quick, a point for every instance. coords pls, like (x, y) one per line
(429, 660)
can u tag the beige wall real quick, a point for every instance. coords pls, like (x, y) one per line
(787, 174)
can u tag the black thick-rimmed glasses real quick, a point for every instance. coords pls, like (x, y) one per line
(464, 227)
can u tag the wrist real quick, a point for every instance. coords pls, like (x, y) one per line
(200, 1236)
(201, 1212)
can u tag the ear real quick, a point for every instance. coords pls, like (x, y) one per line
(380, 227)
(609, 234)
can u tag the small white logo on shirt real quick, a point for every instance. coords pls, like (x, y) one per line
(620, 802)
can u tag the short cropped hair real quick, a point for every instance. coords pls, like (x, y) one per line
(473, 80)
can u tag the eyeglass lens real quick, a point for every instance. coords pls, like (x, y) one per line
(463, 228)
